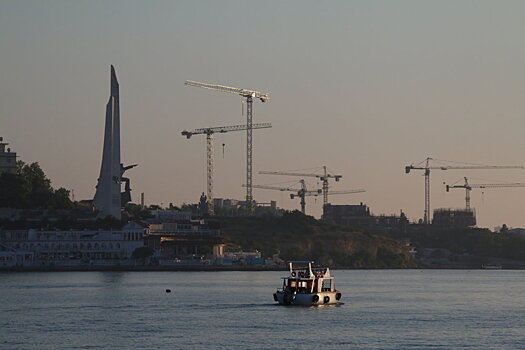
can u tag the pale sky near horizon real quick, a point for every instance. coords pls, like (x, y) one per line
(364, 87)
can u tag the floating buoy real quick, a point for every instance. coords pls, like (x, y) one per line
(168, 290)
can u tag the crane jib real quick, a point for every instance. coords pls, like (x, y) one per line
(232, 90)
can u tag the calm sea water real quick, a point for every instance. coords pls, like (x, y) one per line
(386, 309)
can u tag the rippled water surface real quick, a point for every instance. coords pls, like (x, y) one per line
(386, 309)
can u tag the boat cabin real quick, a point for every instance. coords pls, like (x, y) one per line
(305, 279)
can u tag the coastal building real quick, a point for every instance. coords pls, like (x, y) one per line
(172, 235)
(10, 257)
(359, 216)
(176, 238)
(245, 258)
(73, 247)
(108, 197)
(7, 158)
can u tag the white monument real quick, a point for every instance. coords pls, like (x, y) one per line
(107, 196)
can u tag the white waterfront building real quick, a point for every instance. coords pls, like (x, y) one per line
(72, 247)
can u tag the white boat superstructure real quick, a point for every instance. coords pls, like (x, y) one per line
(307, 285)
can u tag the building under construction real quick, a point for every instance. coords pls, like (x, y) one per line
(359, 216)
(454, 217)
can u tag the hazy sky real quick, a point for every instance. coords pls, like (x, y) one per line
(364, 87)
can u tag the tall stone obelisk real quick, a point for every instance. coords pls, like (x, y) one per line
(107, 196)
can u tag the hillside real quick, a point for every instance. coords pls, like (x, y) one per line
(295, 236)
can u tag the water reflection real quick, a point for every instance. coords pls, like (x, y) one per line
(111, 277)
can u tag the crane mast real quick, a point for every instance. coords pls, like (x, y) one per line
(301, 193)
(209, 132)
(468, 187)
(427, 168)
(323, 177)
(249, 95)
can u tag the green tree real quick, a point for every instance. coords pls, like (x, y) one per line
(61, 199)
(29, 188)
(136, 211)
(12, 191)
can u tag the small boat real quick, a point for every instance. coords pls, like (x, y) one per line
(307, 285)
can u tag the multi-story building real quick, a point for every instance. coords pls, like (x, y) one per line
(71, 248)
(172, 236)
(454, 217)
(176, 238)
(7, 158)
(234, 207)
(359, 216)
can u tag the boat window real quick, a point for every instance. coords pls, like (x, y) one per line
(327, 285)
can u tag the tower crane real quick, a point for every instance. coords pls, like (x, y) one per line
(303, 192)
(249, 95)
(209, 151)
(323, 177)
(468, 187)
(425, 165)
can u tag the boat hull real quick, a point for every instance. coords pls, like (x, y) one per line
(321, 298)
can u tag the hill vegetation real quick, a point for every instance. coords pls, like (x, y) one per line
(480, 242)
(295, 236)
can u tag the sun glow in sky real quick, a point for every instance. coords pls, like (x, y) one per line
(364, 87)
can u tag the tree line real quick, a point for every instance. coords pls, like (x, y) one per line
(29, 188)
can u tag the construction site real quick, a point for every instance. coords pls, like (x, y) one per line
(351, 215)
(192, 234)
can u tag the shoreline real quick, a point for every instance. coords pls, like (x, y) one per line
(211, 268)
(144, 268)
